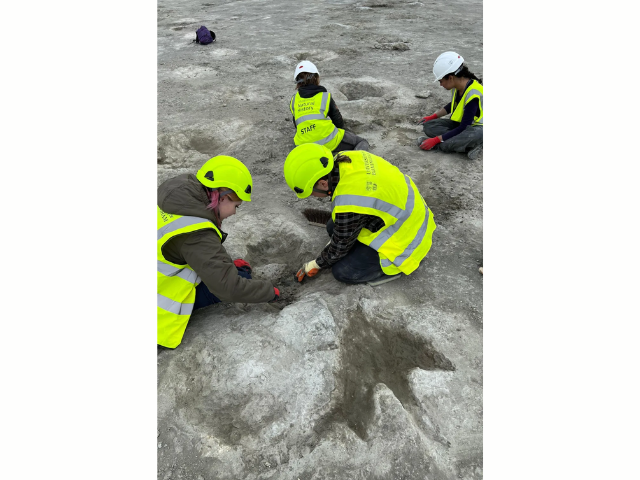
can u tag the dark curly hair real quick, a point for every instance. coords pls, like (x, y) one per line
(307, 78)
(338, 159)
(464, 73)
(341, 159)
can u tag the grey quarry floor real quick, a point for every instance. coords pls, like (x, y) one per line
(334, 381)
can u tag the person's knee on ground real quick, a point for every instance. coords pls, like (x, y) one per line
(351, 141)
(362, 145)
(432, 131)
(429, 132)
(344, 273)
(439, 126)
(466, 141)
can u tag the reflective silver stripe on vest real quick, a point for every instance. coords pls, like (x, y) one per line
(173, 306)
(369, 202)
(386, 234)
(184, 273)
(417, 240)
(292, 105)
(471, 93)
(316, 116)
(180, 223)
(328, 138)
(466, 100)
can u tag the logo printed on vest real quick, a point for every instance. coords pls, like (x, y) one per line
(370, 169)
(305, 106)
(165, 216)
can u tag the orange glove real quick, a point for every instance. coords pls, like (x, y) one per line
(309, 269)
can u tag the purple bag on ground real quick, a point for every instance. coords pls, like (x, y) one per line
(204, 36)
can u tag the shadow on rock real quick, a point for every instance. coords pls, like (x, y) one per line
(360, 90)
(372, 354)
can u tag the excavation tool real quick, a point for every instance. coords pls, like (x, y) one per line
(383, 279)
(317, 217)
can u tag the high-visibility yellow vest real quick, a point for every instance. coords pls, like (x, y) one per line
(176, 283)
(370, 185)
(473, 91)
(312, 124)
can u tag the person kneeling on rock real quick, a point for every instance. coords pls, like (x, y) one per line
(316, 117)
(463, 132)
(380, 224)
(194, 269)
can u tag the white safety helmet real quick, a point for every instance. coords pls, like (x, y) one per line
(447, 62)
(304, 66)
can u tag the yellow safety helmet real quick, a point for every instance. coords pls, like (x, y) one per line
(305, 165)
(224, 171)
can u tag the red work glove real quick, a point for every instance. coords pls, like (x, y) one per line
(429, 143)
(309, 269)
(239, 263)
(426, 119)
(277, 297)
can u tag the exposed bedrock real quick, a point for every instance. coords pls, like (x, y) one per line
(333, 381)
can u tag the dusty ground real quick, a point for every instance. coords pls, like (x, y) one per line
(334, 382)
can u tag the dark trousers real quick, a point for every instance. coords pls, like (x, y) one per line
(360, 265)
(351, 141)
(465, 141)
(204, 297)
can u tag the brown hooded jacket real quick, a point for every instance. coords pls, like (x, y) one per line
(202, 250)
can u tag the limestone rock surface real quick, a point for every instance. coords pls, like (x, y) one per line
(333, 381)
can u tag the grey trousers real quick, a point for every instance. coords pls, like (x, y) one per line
(351, 141)
(465, 141)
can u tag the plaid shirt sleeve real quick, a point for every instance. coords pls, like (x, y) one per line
(346, 229)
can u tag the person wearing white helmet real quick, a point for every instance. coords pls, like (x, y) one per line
(316, 117)
(463, 131)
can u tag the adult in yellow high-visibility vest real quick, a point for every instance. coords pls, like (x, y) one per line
(380, 224)
(463, 131)
(316, 117)
(194, 269)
